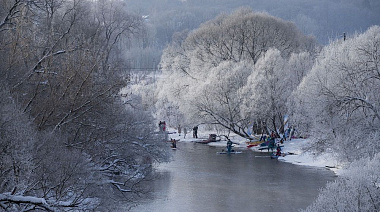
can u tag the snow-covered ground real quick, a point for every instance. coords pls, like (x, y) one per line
(293, 149)
(305, 158)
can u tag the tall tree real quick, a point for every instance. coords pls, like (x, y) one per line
(266, 91)
(219, 100)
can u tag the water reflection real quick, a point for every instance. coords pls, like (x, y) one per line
(200, 180)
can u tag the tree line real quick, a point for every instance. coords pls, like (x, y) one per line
(213, 71)
(251, 69)
(67, 138)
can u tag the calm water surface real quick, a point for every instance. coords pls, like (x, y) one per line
(198, 179)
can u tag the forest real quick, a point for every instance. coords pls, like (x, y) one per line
(249, 69)
(84, 82)
(68, 140)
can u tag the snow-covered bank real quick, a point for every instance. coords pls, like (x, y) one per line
(293, 150)
(295, 154)
(300, 157)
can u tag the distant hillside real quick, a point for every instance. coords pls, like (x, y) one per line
(325, 19)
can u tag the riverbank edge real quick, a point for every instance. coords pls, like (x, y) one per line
(293, 150)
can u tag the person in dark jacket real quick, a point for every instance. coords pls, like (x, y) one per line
(278, 153)
(229, 145)
(195, 132)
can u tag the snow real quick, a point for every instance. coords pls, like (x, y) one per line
(25, 199)
(16, 198)
(301, 157)
(293, 149)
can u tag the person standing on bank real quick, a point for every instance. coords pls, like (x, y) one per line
(184, 132)
(195, 132)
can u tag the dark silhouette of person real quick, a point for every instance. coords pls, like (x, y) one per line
(195, 132)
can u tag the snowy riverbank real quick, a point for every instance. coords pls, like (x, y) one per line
(293, 150)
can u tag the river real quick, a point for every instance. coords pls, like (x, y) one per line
(198, 179)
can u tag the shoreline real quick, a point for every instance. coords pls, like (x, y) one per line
(292, 149)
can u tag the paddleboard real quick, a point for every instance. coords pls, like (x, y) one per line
(234, 152)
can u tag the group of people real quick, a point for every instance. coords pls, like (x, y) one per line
(162, 128)
(270, 141)
(195, 131)
(289, 133)
(174, 143)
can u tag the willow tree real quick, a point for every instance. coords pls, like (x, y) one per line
(229, 45)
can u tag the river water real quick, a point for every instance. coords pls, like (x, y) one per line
(198, 179)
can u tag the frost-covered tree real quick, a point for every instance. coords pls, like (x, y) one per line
(218, 49)
(297, 67)
(358, 189)
(68, 139)
(219, 99)
(339, 98)
(244, 35)
(266, 90)
(269, 87)
(338, 103)
(17, 143)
